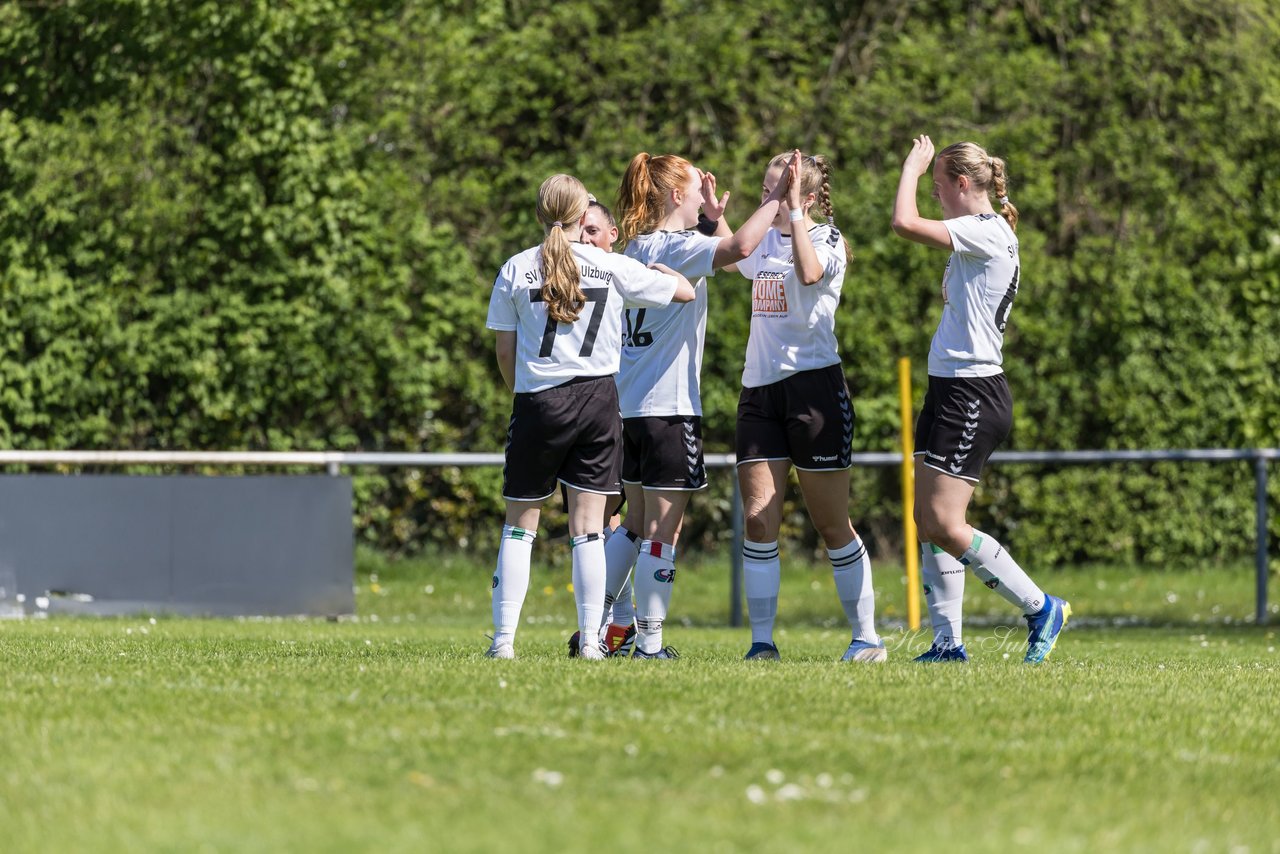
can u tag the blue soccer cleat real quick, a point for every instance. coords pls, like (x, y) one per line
(1043, 629)
(860, 650)
(761, 651)
(943, 653)
(665, 652)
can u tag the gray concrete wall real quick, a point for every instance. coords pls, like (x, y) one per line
(114, 544)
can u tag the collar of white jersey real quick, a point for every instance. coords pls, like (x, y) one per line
(816, 226)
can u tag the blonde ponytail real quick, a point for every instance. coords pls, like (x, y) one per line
(1000, 189)
(823, 199)
(562, 200)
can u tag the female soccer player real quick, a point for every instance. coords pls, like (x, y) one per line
(598, 226)
(658, 383)
(795, 409)
(967, 409)
(618, 634)
(557, 309)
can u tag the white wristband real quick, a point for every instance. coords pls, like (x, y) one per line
(796, 215)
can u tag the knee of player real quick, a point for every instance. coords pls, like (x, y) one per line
(951, 538)
(759, 528)
(836, 534)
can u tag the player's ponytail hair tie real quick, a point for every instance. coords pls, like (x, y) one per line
(557, 224)
(1004, 200)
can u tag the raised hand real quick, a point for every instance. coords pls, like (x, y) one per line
(713, 209)
(920, 158)
(794, 199)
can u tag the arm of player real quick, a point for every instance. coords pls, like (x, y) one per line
(684, 290)
(809, 267)
(745, 240)
(712, 222)
(907, 221)
(505, 348)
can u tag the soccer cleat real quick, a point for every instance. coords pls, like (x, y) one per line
(1043, 629)
(573, 644)
(665, 652)
(860, 650)
(592, 651)
(761, 651)
(501, 649)
(619, 640)
(943, 653)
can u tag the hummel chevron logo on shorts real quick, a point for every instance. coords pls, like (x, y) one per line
(697, 471)
(846, 423)
(972, 414)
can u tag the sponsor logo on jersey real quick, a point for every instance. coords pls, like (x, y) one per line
(769, 295)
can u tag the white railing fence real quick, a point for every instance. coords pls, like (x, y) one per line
(334, 461)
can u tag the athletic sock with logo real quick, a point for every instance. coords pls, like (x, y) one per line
(619, 556)
(654, 577)
(991, 563)
(944, 594)
(762, 578)
(588, 582)
(851, 569)
(511, 581)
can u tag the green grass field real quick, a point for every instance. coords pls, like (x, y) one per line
(391, 732)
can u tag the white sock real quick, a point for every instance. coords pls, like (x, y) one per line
(851, 568)
(588, 582)
(624, 610)
(991, 563)
(762, 579)
(619, 555)
(655, 576)
(511, 581)
(944, 593)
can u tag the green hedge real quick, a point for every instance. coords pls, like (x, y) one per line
(270, 226)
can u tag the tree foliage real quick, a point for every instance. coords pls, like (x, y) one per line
(272, 226)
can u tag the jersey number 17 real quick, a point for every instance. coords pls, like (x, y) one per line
(598, 296)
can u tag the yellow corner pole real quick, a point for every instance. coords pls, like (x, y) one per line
(909, 543)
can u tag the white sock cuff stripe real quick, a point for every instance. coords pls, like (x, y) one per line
(658, 549)
(759, 551)
(847, 555)
(583, 539)
(524, 535)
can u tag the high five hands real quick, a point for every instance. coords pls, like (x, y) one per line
(713, 209)
(792, 175)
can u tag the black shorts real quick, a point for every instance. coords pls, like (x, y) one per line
(571, 433)
(663, 452)
(806, 418)
(962, 422)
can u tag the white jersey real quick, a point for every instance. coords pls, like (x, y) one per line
(793, 325)
(978, 288)
(549, 353)
(662, 348)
